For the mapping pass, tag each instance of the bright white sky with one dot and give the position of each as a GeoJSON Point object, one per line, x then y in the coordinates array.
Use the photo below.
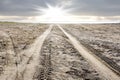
{"type": "Point", "coordinates": [60, 15]}
{"type": "Point", "coordinates": [60, 11]}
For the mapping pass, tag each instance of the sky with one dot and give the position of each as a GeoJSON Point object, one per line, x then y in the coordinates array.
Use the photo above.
{"type": "Point", "coordinates": [69, 10]}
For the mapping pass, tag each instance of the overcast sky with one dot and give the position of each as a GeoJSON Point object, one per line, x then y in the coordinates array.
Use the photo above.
{"type": "Point", "coordinates": [19, 9]}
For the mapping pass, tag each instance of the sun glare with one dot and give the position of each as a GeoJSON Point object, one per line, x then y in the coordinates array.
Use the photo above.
{"type": "Point", "coordinates": [54, 14]}
{"type": "Point", "coordinates": [60, 15]}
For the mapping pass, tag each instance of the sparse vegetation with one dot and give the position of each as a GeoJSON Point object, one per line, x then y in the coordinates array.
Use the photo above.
{"type": "Point", "coordinates": [104, 38]}
{"type": "Point", "coordinates": [53, 55]}
{"type": "Point", "coordinates": [23, 34]}
{"type": "Point", "coordinates": [14, 38]}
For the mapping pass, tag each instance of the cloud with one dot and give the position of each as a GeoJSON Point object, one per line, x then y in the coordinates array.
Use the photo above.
{"type": "Point", "coordinates": [19, 7]}
{"type": "Point", "coordinates": [97, 7]}
{"type": "Point", "coordinates": [65, 3]}
{"type": "Point", "coordinates": [82, 7]}
{"type": "Point", "coordinates": [109, 9]}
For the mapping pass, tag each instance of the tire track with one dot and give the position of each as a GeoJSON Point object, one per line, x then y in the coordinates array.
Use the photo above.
{"type": "Point", "coordinates": [31, 60]}
{"type": "Point", "coordinates": [94, 60]}
{"type": "Point", "coordinates": [43, 72]}
{"type": "Point", "coordinates": [59, 60]}
{"type": "Point", "coordinates": [53, 57]}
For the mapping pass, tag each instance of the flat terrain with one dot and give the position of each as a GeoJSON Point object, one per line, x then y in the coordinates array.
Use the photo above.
{"type": "Point", "coordinates": [103, 39]}
{"type": "Point", "coordinates": [50, 52]}
{"type": "Point", "coordinates": [22, 34]}
{"type": "Point", "coordinates": [59, 60]}
{"type": "Point", "coordinates": [15, 38]}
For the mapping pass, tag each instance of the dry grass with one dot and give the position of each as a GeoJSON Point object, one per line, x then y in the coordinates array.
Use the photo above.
{"type": "Point", "coordinates": [14, 38]}
{"type": "Point", "coordinates": [105, 38]}
{"type": "Point", "coordinates": [22, 34]}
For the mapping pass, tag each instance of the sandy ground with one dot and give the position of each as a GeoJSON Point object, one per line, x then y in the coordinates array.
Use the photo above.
{"type": "Point", "coordinates": [59, 60]}
{"type": "Point", "coordinates": [33, 59]}
{"type": "Point", "coordinates": [104, 38]}
{"type": "Point", "coordinates": [35, 52]}
{"type": "Point", "coordinates": [98, 63]}
{"type": "Point", "coordinates": [22, 34]}
{"type": "Point", "coordinates": [14, 39]}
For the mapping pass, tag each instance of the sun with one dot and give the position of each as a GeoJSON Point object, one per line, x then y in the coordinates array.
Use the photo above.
{"type": "Point", "coordinates": [54, 14]}
{"type": "Point", "coordinates": [59, 14]}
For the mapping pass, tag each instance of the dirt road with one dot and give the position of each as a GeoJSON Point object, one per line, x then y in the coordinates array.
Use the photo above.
{"type": "Point", "coordinates": [32, 59]}
{"type": "Point", "coordinates": [29, 60]}
{"type": "Point", "coordinates": [56, 55]}
{"type": "Point", "coordinates": [97, 62]}
{"type": "Point", "coordinates": [59, 60]}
